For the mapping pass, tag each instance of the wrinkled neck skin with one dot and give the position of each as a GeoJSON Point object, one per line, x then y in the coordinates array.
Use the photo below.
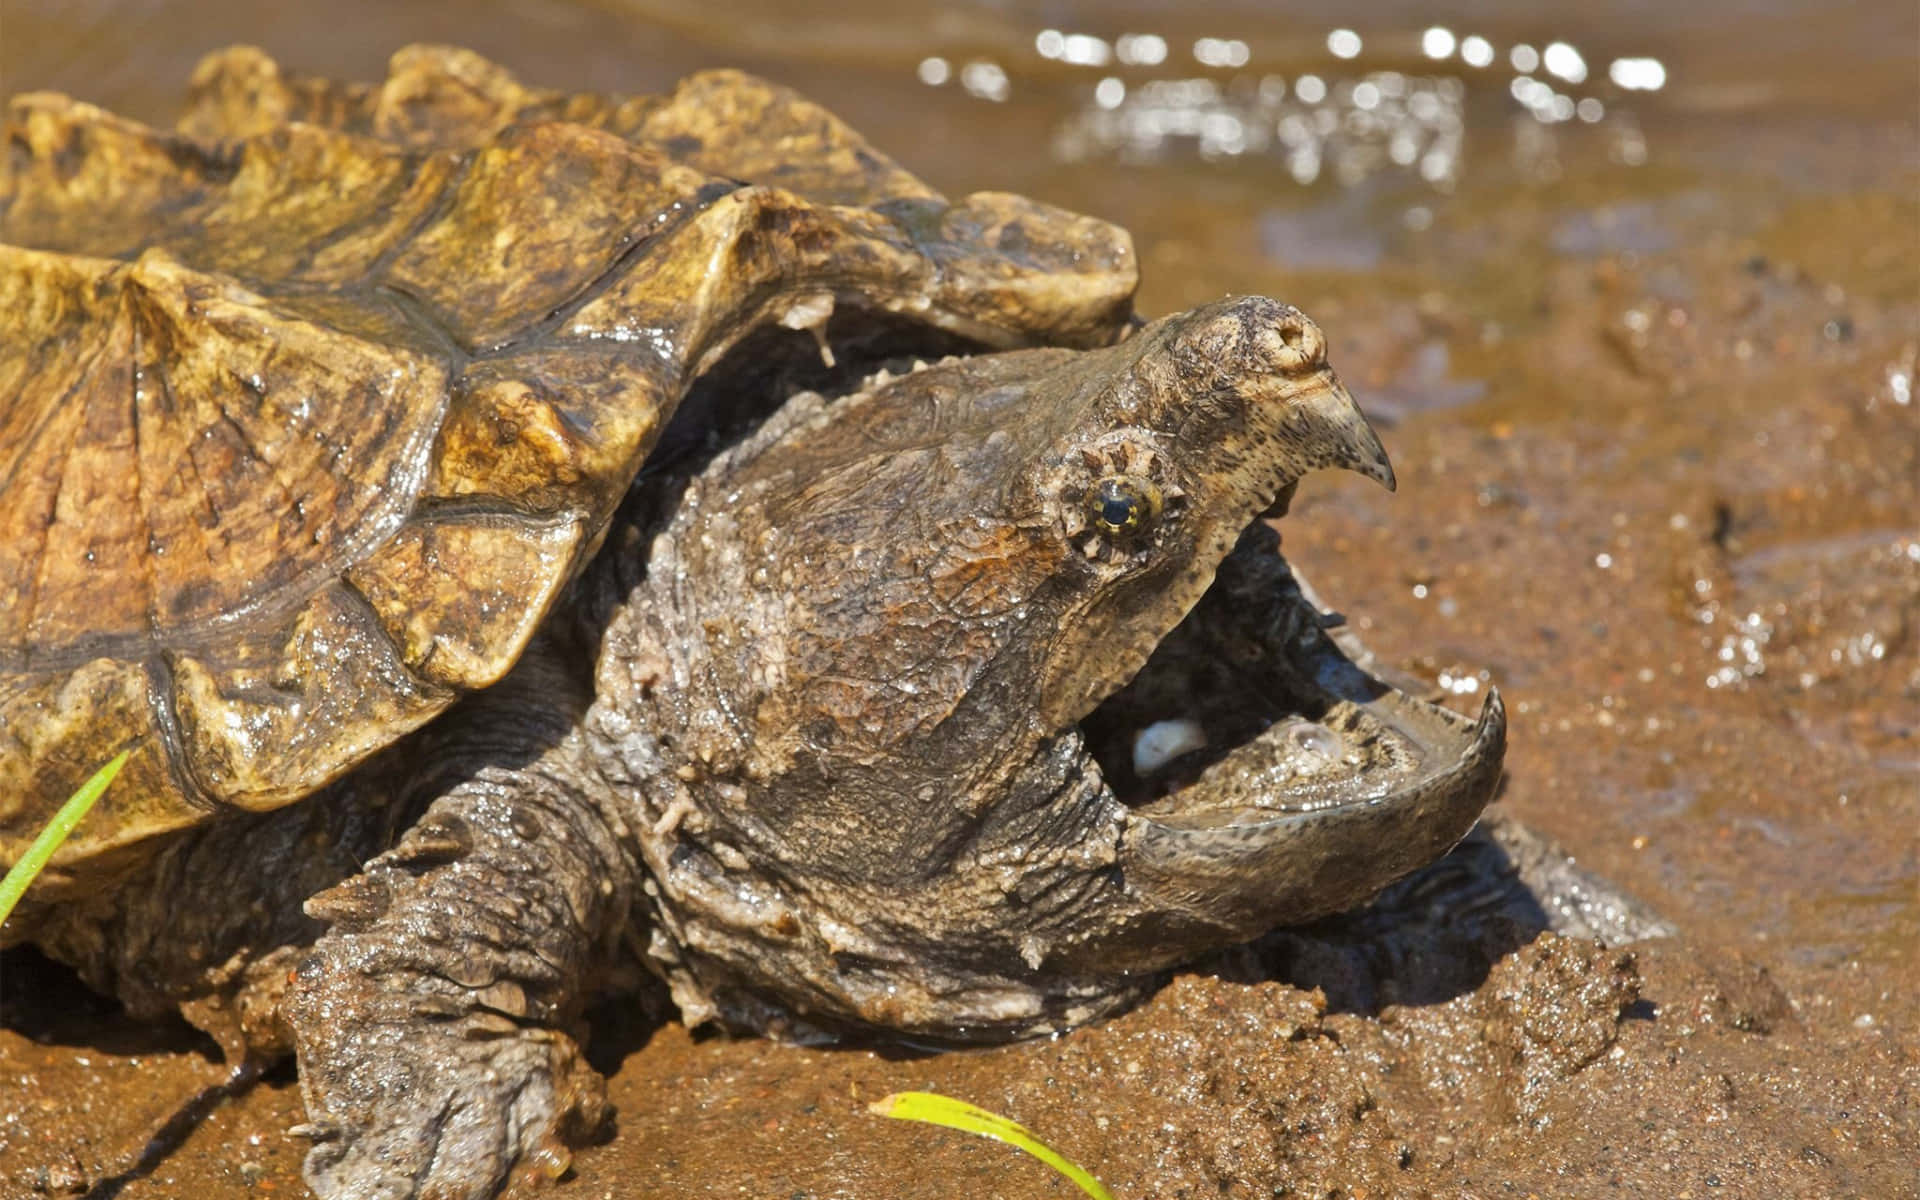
{"type": "Point", "coordinates": [846, 698]}
{"type": "Point", "coordinates": [849, 817]}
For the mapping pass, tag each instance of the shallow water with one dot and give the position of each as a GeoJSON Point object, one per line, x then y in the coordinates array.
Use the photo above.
{"type": "Point", "coordinates": [1646, 372]}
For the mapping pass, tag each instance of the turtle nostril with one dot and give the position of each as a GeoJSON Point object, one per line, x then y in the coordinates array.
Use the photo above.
{"type": "Point", "coordinates": [1293, 344]}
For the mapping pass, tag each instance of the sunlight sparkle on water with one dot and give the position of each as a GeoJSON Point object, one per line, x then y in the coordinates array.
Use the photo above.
{"type": "Point", "coordinates": [1563, 60]}
{"type": "Point", "coordinates": [1220, 52]}
{"type": "Point", "coordinates": [1141, 49]}
{"type": "Point", "coordinates": [1900, 388]}
{"type": "Point", "coordinates": [1346, 126]}
{"type": "Point", "coordinates": [1078, 49]}
{"type": "Point", "coordinates": [985, 80]}
{"type": "Point", "coordinates": [1638, 74]}
{"type": "Point", "coordinates": [1085, 50]}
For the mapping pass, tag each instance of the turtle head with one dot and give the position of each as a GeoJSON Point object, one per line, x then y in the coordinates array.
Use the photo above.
{"type": "Point", "coordinates": [966, 703]}
{"type": "Point", "coordinates": [1166, 448]}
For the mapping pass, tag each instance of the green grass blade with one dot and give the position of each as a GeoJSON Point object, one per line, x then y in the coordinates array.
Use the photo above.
{"type": "Point", "coordinates": [31, 863]}
{"type": "Point", "coordinates": [936, 1109]}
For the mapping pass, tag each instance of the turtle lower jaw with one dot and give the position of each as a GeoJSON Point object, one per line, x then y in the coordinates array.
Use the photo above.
{"type": "Point", "coordinates": [1267, 779]}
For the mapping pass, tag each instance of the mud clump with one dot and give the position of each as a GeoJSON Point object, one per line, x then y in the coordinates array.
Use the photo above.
{"type": "Point", "coordinates": [1549, 1010]}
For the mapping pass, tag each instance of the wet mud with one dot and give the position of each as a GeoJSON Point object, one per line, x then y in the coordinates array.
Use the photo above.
{"type": "Point", "coordinates": [1647, 382]}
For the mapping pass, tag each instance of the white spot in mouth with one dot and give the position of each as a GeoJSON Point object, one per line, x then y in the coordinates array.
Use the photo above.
{"type": "Point", "coordinates": [1163, 741]}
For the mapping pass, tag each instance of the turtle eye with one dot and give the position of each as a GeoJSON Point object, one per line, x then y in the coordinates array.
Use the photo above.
{"type": "Point", "coordinates": [1123, 505]}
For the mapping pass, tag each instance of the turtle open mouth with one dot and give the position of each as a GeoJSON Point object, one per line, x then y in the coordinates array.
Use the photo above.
{"type": "Point", "coordinates": [1268, 778]}
{"type": "Point", "coordinates": [1250, 699]}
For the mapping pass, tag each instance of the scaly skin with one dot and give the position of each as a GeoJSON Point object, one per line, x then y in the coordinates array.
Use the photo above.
{"type": "Point", "coordinates": [832, 752]}
{"type": "Point", "coordinates": [846, 696]}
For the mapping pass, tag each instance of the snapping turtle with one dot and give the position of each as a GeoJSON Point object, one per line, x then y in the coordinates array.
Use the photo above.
{"type": "Point", "coordinates": [957, 699]}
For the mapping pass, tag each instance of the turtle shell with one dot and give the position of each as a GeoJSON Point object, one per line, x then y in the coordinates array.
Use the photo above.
{"type": "Point", "coordinates": [310, 408]}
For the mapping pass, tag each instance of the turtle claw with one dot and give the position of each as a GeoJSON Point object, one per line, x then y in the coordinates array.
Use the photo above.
{"type": "Point", "coordinates": [433, 1020]}
{"type": "Point", "coordinates": [440, 1110]}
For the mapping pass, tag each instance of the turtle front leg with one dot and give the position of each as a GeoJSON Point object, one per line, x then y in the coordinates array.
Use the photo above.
{"type": "Point", "coordinates": [435, 1021]}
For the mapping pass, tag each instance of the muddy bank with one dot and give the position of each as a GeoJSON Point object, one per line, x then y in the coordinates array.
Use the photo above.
{"type": "Point", "coordinates": [1652, 416]}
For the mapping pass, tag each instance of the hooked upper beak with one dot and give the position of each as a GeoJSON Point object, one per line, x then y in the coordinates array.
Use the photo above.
{"type": "Point", "coordinates": [1278, 355]}
{"type": "Point", "coordinates": [1340, 431]}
